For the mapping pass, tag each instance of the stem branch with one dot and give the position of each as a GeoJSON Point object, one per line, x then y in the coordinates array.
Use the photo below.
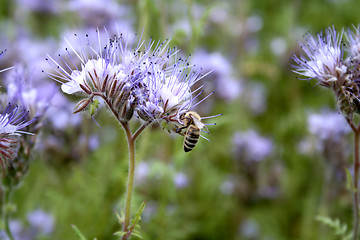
{"type": "Point", "coordinates": [131, 138]}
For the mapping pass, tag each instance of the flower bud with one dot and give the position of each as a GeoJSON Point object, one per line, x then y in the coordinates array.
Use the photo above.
{"type": "Point", "coordinates": [81, 105]}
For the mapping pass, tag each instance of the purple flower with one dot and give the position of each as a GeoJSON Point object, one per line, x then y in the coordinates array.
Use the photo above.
{"type": "Point", "coordinates": [254, 96]}
{"type": "Point", "coordinates": [227, 187]}
{"type": "Point", "coordinates": [142, 172]}
{"type": "Point", "coordinates": [249, 229]}
{"type": "Point", "coordinates": [130, 77]}
{"type": "Point", "coordinates": [328, 125]}
{"type": "Point", "coordinates": [278, 46]}
{"type": "Point", "coordinates": [227, 87]}
{"type": "Point", "coordinates": [353, 38]}
{"type": "Point", "coordinates": [252, 146]}
{"type": "Point", "coordinates": [35, 97]}
{"type": "Point", "coordinates": [324, 58]}
{"type": "Point", "coordinates": [59, 114]}
{"type": "Point", "coordinates": [325, 61]}
{"type": "Point", "coordinates": [254, 23]}
{"type": "Point", "coordinates": [97, 13]}
{"type": "Point", "coordinates": [49, 6]}
{"type": "Point", "coordinates": [181, 180]}
{"type": "Point", "coordinates": [41, 221]}
{"type": "Point", "coordinates": [3, 70]}
{"type": "Point", "coordinates": [12, 120]}
{"type": "Point", "coordinates": [166, 93]}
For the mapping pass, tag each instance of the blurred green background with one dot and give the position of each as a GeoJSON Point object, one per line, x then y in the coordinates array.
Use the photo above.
{"type": "Point", "coordinates": [225, 196]}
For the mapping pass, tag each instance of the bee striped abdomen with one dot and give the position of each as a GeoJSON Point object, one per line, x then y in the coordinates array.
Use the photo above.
{"type": "Point", "coordinates": [191, 138]}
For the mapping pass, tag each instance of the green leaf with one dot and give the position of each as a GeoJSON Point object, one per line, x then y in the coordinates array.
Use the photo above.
{"type": "Point", "coordinates": [349, 181]}
{"type": "Point", "coordinates": [120, 217]}
{"type": "Point", "coordinates": [138, 213]}
{"type": "Point", "coordinates": [335, 224]}
{"type": "Point", "coordinates": [93, 107]}
{"type": "Point", "coordinates": [165, 126]}
{"type": "Point", "coordinates": [120, 233]}
{"type": "Point", "coordinates": [78, 233]}
{"type": "Point", "coordinates": [136, 234]}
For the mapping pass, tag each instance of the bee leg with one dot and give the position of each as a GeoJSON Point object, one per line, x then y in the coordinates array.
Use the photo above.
{"type": "Point", "coordinates": [178, 130]}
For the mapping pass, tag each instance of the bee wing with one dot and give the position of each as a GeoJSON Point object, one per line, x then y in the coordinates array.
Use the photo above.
{"type": "Point", "coordinates": [197, 122]}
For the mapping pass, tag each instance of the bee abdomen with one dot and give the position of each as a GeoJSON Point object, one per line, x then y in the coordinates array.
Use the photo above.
{"type": "Point", "coordinates": [192, 137]}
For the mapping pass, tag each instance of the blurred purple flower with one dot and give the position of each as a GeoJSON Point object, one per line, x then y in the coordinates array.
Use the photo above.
{"type": "Point", "coordinates": [41, 221]}
{"type": "Point", "coordinates": [328, 125]}
{"type": "Point", "coordinates": [254, 96]}
{"type": "Point", "coordinates": [249, 229]}
{"type": "Point", "coordinates": [226, 86]}
{"type": "Point", "coordinates": [39, 6]}
{"type": "Point", "coordinates": [17, 229]}
{"type": "Point", "coordinates": [35, 49]}
{"type": "Point", "coordinates": [252, 146]}
{"type": "Point", "coordinates": [98, 13]}
{"type": "Point", "coordinates": [21, 89]}
{"type": "Point", "coordinates": [142, 172]}
{"type": "Point", "coordinates": [227, 187]}
{"type": "Point", "coordinates": [181, 180]}
{"type": "Point", "coordinates": [278, 46]}
{"type": "Point", "coordinates": [254, 23]}
{"type": "Point", "coordinates": [91, 142]}
{"type": "Point", "coordinates": [60, 115]}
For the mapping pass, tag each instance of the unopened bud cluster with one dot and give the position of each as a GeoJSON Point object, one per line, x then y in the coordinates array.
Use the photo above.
{"type": "Point", "coordinates": [143, 80]}
{"type": "Point", "coordinates": [333, 59]}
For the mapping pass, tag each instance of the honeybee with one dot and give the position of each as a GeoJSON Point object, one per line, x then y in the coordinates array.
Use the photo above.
{"type": "Point", "coordinates": [192, 121]}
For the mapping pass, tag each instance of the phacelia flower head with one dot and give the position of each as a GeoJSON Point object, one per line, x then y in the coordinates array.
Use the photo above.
{"type": "Point", "coordinates": [23, 90]}
{"type": "Point", "coordinates": [353, 38]}
{"type": "Point", "coordinates": [167, 92]}
{"type": "Point", "coordinates": [324, 58]}
{"type": "Point", "coordinates": [12, 121]}
{"type": "Point", "coordinates": [334, 65]}
{"type": "Point", "coordinates": [100, 73]}
{"type": "Point", "coordinates": [132, 78]}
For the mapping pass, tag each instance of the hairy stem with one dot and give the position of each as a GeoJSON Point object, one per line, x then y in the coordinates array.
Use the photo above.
{"type": "Point", "coordinates": [130, 181]}
{"type": "Point", "coordinates": [356, 184]}
{"type": "Point", "coordinates": [131, 138]}
{"type": "Point", "coordinates": [5, 212]}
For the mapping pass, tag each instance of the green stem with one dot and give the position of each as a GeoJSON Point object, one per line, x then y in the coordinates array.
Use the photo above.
{"type": "Point", "coordinates": [356, 185]}
{"type": "Point", "coordinates": [131, 138]}
{"type": "Point", "coordinates": [130, 184]}
{"type": "Point", "coordinates": [5, 209]}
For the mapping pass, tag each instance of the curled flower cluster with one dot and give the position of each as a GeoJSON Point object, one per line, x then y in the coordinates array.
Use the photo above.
{"type": "Point", "coordinates": [143, 80]}
{"type": "Point", "coordinates": [12, 120]}
{"type": "Point", "coordinates": [334, 65]}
